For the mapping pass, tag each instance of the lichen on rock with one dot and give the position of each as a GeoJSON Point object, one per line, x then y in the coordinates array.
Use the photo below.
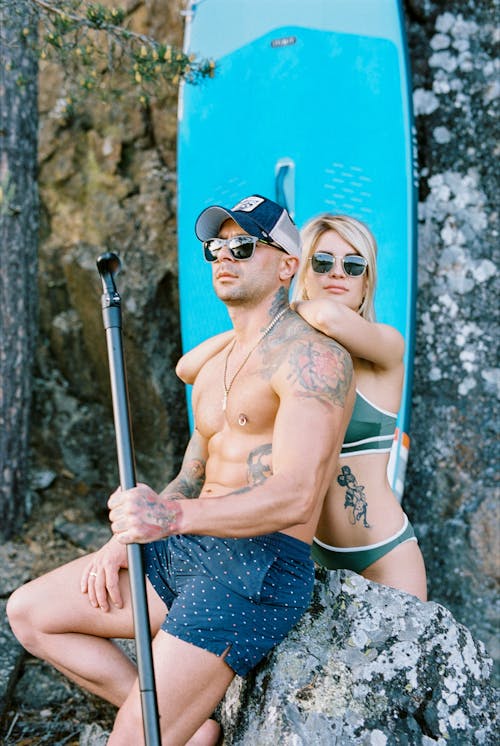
{"type": "Point", "coordinates": [366, 665]}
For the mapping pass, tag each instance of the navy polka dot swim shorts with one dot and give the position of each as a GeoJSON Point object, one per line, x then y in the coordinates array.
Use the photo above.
{"type": "Point", "coordinates": [244, 595]}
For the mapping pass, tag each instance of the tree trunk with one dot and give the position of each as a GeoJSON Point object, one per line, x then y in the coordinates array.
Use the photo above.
{"type": "Point", "coordinates": [18, 251]}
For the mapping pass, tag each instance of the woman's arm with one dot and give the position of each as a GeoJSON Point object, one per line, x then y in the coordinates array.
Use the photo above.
{"type": "Point", "coordinates": [191, 363]}
{"type": "Point", "coordinates": [380, 344]}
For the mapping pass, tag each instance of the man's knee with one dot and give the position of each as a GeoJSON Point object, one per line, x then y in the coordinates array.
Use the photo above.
{"type": "Point", "coordinates": [128, 727]}
{"type": "Point", "coordinates": [21, 616]}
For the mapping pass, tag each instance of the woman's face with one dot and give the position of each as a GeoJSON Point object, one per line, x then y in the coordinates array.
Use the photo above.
{"type": "Point", "coordinates": [336, 284]}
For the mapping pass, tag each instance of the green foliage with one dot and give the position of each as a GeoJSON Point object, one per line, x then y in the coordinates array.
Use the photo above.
{"type": "Point", "coordinates": [101, 56]}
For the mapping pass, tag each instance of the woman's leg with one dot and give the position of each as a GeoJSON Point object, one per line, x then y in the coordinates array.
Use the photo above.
{"type": "Point", "coordinates": [402, 568]}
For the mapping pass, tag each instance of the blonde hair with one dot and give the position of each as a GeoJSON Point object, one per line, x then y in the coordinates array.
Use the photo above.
{"type": "Point", "coordinates": [357, 235]}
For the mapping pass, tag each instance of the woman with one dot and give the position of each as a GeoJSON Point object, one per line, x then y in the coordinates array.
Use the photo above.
{"type": "Point", "coordinates": [362, 527]}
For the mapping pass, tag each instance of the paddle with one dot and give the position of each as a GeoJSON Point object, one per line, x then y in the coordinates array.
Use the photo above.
{"type": "Point", "coordinates": [108, 266]}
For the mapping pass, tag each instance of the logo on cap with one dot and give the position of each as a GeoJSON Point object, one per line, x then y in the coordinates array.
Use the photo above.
{"type": "Point", "coordinates": [248, 204]}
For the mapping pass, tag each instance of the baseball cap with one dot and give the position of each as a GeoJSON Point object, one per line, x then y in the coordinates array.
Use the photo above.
{"type": "Point", "coordinates": [258, 216]}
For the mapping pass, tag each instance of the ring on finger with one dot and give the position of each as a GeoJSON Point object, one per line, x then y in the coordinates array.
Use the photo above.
{"type": "Point", "coordinates": [93, 574]}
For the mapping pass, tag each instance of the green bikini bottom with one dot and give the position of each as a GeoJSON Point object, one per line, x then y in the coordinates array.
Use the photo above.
{"type": "Point", "coordinates": [359, 558]}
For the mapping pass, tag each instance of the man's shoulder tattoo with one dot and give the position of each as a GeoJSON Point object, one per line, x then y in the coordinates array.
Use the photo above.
{"type": "Point", "coordinates": [320, 368]}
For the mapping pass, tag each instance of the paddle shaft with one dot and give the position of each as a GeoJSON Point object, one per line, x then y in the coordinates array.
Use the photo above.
{"type": "Point", "coordinates": [108, 265]}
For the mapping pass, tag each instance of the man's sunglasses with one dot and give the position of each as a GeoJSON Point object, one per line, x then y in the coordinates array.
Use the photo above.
{"type": "Point", "coordinates": [240, 247]}
{"type": "Point", "coordinates": [352, 264]}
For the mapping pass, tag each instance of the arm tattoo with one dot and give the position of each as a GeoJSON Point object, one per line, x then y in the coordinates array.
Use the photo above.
{"type": "Point", "coordinates": [322, 371]}
{"type": "Point", "coordinates": [167, 514]}
{"type": "Point", "coordinates": [355, 497]}
{"type": "Point", "coordinates": [189, 482]}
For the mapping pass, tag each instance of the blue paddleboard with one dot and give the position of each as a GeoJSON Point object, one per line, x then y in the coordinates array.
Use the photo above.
{"type": "Point", "coordinates": [310, 105]}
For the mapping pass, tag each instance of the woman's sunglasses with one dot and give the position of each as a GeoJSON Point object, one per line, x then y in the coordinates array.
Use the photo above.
{"type": "Point", "coordinates": [352, 264]}
{"type": "Point", "coordinates": [240, 247]}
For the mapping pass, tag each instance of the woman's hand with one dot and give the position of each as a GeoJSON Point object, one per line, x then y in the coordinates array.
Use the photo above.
{"type": "Point", "coordinates": [100, 578]}
{"type": "Point", "coordinates": [324, 314]}
{"type": "Point", "coordinates": [140, 515]}
{"type": "Point", "coordinates": [377, 343]}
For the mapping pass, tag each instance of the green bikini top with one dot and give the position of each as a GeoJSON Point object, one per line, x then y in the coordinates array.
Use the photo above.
{"type": "Point", "coordinates": [370, 430]}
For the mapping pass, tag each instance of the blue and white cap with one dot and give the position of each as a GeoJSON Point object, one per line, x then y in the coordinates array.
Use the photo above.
{"type": "Point", "coordinates": [258, 216]}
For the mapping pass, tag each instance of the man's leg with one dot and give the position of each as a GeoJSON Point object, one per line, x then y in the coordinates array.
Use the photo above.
{"type": "Point", "coordinates": [54, 621]}
{"type": "Point", "coordinates": [190, 683]}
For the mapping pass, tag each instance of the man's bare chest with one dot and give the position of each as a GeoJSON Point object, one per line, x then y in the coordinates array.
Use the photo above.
{"type": "Point", "coordinates": [241, 398]}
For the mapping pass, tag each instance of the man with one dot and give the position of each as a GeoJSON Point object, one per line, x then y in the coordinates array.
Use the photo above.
{"type": "Point", "coordinates": [235, 574]}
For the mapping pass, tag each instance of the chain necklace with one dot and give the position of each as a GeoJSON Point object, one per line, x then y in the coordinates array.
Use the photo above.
{"type": "Point", "coordinates": [227, 386]}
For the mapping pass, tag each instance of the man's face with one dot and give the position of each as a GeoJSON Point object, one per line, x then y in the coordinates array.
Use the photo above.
{"type": "Point", "coordinates": [236, 281]}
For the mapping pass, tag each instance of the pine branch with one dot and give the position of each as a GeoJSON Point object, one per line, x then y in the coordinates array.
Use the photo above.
{"type": "Point", "coordinates": [99, 54]}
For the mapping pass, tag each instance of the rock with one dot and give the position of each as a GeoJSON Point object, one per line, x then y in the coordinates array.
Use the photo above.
{"type": "Point", "coordinates": [42, 479]}
{"type": "Point", "coordinates": [366, 665]}
{"type": "Point", "coordinates": [11, 658]}
{"type": "Point", "coordinates": [450, 488]}
{"type": "Point", "coordinates": [91, 535]}
{"type": "Point", "coordinates": [38, 688]}
{"type": "Point", "coordinates": [93, 735]}
{"type": "Point", "coordinates": [16, 561]}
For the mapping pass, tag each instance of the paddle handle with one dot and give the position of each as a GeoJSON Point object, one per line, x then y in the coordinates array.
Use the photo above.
{"type": "Point", "coordinates": [108, 266]}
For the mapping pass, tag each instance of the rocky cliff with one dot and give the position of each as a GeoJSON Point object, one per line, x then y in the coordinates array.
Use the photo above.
{"type": "Point", "coordinates": [451, 488]}
{"type": "Point", "coordinates": [108, 181]}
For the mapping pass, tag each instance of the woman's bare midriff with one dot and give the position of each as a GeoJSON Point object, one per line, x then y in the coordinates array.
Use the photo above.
{"type": "Point", "coordinates": [338, 525]}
